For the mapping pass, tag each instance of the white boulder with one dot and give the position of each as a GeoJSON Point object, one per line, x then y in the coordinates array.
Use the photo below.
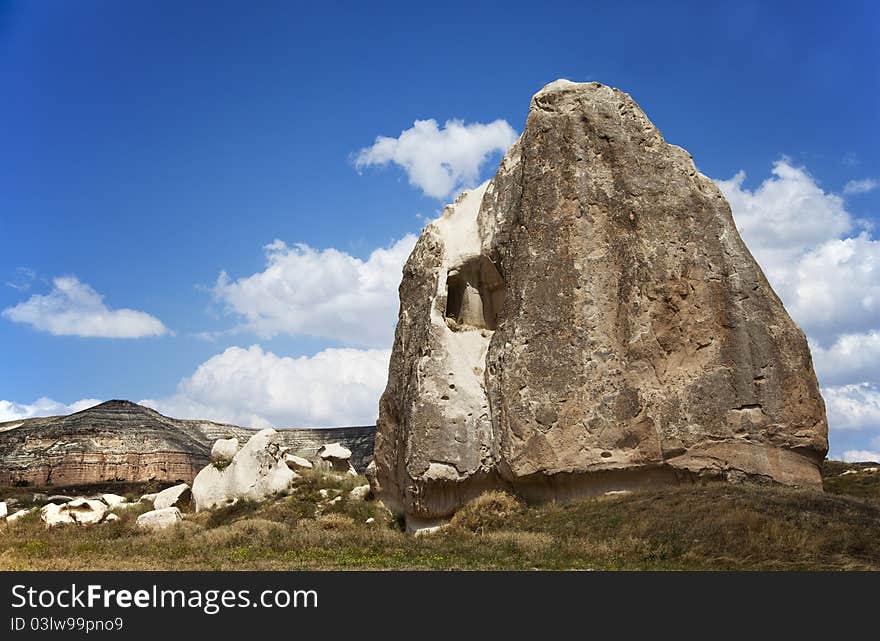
{"type": "Point", "coordinates": [12, 518]}
{"type": "Point", "coordinates": [159, 519]}
{"type": "Point", "coordinates": [256, 472]}
{"type": "Point", "coordinates": [80, 511]}
{"type": "Point", "coordinates": [53, 515]}
{"type": "Point", "coordinates": [113, 500]}
{"type": "Point", "coordinates": [111, 517]}
{"type": "Point", "coordinates": [360, 493]}
{"type": "Point", "coordinates": [295, 462]}
{"type": "Point", "coordinates": [4, 511]}
{"type": "Point", "coordinates": [335, 457]}
{"type": "Point", "coordinates": [174, 496]}
{"type": "Point", "coordinates": [149, 498]}
{"type": "Point", "coordinates": [224, 449]}
{"type": "Point", "coordinates": [331, 451]}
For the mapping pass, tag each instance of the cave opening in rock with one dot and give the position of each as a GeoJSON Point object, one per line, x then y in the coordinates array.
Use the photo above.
{"type": "Point", "coordinates": [475, 293]}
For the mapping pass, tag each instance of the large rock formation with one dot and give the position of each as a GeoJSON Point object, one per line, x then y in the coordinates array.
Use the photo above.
{"type": "Point", "coordinates": [587, 321]}
{"type": "Point", "coordinates": [256, 472]}
{"type": "Point", "coordinates": [123, 441]}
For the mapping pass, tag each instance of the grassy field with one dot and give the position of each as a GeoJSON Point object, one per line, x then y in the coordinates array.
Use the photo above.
{"type": "Point", "coordinates": [701, 527]}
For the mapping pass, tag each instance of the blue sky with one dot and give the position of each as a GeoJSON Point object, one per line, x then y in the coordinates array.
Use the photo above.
{"type": "Point", "coordinates": [148, 147]}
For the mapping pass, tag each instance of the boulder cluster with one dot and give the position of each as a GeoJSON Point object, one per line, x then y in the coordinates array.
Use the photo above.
{"type": "Point", "coordinates": [261, 468]}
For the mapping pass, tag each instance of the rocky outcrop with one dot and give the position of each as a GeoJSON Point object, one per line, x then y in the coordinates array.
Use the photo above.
{"type": "Point", "coordinates": [590, 321]}
{"type": "Point", "coordinates": [123, 441]}
{"type": "Point", "coordinates": [335, 457]}
{"type": "Point", "coordinates": [256, 472]}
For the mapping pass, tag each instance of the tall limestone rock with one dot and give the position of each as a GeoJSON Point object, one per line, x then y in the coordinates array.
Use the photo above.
{"type": "Point", "coordinates": [590, 320]}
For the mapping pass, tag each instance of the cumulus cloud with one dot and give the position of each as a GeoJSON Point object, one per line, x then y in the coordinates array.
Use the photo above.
{"type": "Point", "coordinates": [862, 186]}
{"type": "Point", "coordinates": [73, 308]}
{"type": "Point", "coordinates": [11, 411]}
{"type": "Point", "coordinates": [858, 456]}
{"type": "Point", "coordinates": [440, 161]}
{"type": "Point", "coordinates": [257, 388]}
{"type": "Point", "coordinates": [827, 272]}
{"type": "Point", "coordinates": [853, 407]}
{"type": "Point", "coordinates": [851, 357]}
{"type": "Point", "coordinates": [324, 293]}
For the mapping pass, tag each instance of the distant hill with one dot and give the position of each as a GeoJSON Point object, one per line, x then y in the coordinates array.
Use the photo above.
{"type": "Point", "coordinates": [122, 441]}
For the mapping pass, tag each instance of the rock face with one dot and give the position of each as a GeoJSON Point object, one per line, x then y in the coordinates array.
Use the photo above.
{"type": "Point", "coordinates": [588, 321]}
{"type": "Point", "coordinates": [123, 441]}
{"type": "Point", "coordinates": [257, 471]}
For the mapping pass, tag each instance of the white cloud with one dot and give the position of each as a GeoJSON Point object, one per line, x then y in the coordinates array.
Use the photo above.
{"type": "Point", "coordinates": [827, 272]}
{"type": "Point", "coordinates": [11, 411]}
{"type": "Point", "coordinates": [863, 186]}
{"type": "Point", "coordinates": [326, 293]}
{"type": "Point", "coordinates": [835, 287]}
{"type": "Point", "coordinates": [861, 456]}
{"type": "Point", "coordinates": [440, 161]}
{"type": "Point", "coordinates": [852, 357]}
{"type": "Point", "coordinates": [72, 308]}
{"type": "Point", "coordinates": [854, 406]}
{"type": "Point", "coordinates": [257, 388]}
{"type": "Point", "coordinates": [785, 216]}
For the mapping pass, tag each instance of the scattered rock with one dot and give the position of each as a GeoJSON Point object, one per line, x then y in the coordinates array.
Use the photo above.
{"type": "Point", "coordinates": [79, 511]}
{"type": "Point", "coordinates": [426, 531]}
{"type": "Point", "coordinates": [360, 493]}
{"type": "Point", "coordinates": [111, 517]}
{"type": "Point", "coordinates": [159, 519]}
{"type": "Point", "coordinates": [590, 320]}
{"type": "Point", "coordinates": [113, 500]}
{"type": "Point", "coordinates": [39, 497]}
{"type": "Point", "coordinates": [15, 516]}
{"type": "Point", "coordinates": [224, 449]}
{"type": "Point", "coordinates": [256, 472]}
{"type": "Point", "coordinates": [370, 520]}
{"type": "Point", "coordinates": [336, 458]}
{"type": "Point", "coordinates": [52, 514]}
{"type": "Point", "coordinates": [149, 498]}
{"type": "Point", "coordinates": [334, 451]}
{"type": "Point", "coordinates": [4, 511]}
{"type": "Point", "coordinates": [295, 462]}
{"type": "Point", "coordinates": [334, 501]}
{"type": "Point", "coordinates": [175, 496]}
{"type": "Point", "coordinates": [59, 498]}
{"type": "Point", "coordinates": [323, 493]}
{"type": "Point", "coordinates": [618, 492]}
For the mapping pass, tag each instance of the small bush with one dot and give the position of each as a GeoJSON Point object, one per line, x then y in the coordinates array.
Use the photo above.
{"type": "Point", "coordinates": [490, 510]}
{"type": "Point", "coordinates": [335, 521]}
{"type": "Point", "coordinates": [229, 513]}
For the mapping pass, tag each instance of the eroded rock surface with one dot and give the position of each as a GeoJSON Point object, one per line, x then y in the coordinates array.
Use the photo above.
{"type": "Point", "coordinates": [590, 321]}
{"type": "Point", "coordinates": [258, 470]}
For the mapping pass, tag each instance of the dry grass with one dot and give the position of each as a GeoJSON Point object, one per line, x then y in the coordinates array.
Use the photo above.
{"type": "Point", "coordinates": [713, 526]}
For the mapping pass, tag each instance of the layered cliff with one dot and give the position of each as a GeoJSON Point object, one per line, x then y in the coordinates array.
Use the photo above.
{"type": "Point", "coordinates": [123, 441]}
